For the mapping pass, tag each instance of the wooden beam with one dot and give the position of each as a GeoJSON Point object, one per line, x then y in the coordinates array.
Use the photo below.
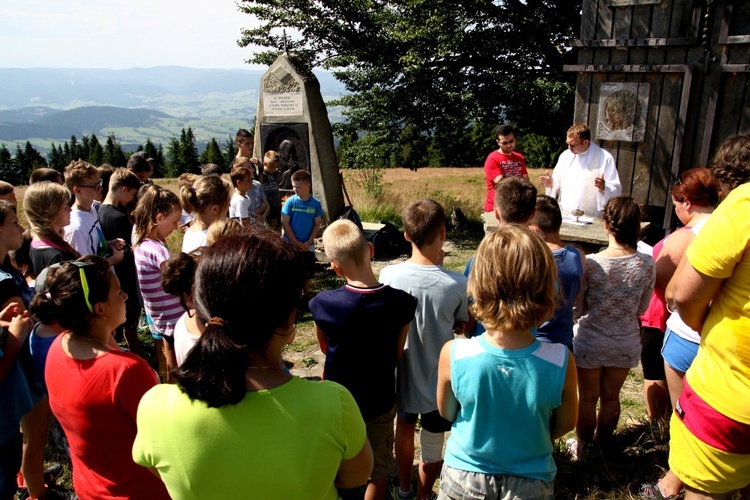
{"type": "Point", "coordinates": [630, 68]}
{"type": "Point", "coordinates": [633, 42]}
{"type": "Point", "coordinates": [737, 39]}
{"type": "Point", "coordinates": [735, 68]}
{"type": "Point", "coordinates": [679, 135]}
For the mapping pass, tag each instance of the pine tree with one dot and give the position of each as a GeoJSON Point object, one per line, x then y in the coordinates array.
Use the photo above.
{"type": "Point", "coordinates": [189, 152]}
{"type": "Point", "coordinates": [9, 171]}
{"type": "Point", "coordinates": [230, 151]}
{"type": "Point", "coordinates": [150, 151]}
{"type": "Point", "coordinates": [213, 154]}
{"type": "Point", "coordinates": [56, 158]}
{"type": "Point", "coordinates": [113, 153]}
{"type": "Point", "coordinates": [96, 151]}
{"type": "Point", "coordinates": [174, 165]}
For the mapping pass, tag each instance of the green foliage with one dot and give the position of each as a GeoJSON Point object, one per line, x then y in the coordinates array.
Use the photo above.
{"type": "Point", "coordinates": [369, 155]}
{"type": "Point", "coordinates": [10, 170]}
{"type": "Point", "coordinates": [113, 153]}
{"type": "Point", "coordinates": [213, 154]}
{"type": "Point", "coordinates": [422, 67]}
{"type": "Point", "coordinates": [538, 151]}
{"type": "Point", "coordinates": [151, 151]}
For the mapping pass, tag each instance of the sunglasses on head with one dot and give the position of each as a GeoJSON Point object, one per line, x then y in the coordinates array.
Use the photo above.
{"type": "Point", "coordinates": [84, 282]}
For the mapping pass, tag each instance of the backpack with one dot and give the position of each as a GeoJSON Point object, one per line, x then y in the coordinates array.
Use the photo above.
{"type": "Point", "coordinates": [389, 241]}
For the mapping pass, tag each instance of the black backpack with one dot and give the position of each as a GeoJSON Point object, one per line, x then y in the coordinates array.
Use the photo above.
{"type": "Point", "coordinates": [389, 241]}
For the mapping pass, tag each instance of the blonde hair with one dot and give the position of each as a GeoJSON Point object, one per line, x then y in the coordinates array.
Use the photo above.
{"type": "Point", "coordinates": [187, 180]}
{"type": "Point", "coordinates": [41, 204]}
{"type": "Point", "coordinates": [78, 171]}
{"type": "Point", "coordinates": [122, 177]}
{"type": "Point", "coordinates": [512, 281]}
{"type": "Point", "coordinates": [208, 190]}
{"type": "Point", "coordinates": [345, 244]}
{"type": "Point", "coordinates": [222, 228]}
{"type": "Point", "coordinates": [270, 156]}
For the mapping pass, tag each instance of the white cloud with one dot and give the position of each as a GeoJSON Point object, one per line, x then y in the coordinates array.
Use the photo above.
{"type": "Point", "coordinates": [134, 33]}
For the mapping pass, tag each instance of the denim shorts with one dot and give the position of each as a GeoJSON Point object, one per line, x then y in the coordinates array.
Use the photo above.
{"type": "Point", "coordinates": [677, 352]}
{"type": "Point", "coordinates": [458, 484]}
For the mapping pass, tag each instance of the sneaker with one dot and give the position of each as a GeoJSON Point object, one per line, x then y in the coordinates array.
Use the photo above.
{"type": "Point", "coordinates": [396, 493]}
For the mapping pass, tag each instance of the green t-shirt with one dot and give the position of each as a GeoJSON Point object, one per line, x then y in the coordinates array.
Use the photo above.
{"type": "Point", "coordinates": [287, 442]}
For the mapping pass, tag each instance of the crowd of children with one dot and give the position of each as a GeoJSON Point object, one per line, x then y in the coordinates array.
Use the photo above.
{"type": "Point", "coordinates": [532, 341]}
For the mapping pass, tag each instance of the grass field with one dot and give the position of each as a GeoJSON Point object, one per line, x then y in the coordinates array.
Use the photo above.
{"type": "Point", "coordinates": [638, 452]}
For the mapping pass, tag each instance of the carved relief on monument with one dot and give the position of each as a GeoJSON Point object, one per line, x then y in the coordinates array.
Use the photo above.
{"type": "Point", "coordinates": [623, 109]}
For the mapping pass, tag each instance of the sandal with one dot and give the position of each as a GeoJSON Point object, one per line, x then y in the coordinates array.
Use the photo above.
{"type": "Point", "coordinates": [653, 491]}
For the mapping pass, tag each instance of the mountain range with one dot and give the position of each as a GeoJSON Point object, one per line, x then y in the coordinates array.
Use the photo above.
{"type": "Point", "coordinates": [46, 105]}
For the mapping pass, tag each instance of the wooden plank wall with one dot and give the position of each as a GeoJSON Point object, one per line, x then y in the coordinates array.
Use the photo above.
{"type": "Point", "coordinates": [667, 34]}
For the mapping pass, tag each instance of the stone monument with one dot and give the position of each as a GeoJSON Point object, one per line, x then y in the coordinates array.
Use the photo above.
{"type": "Point", "coordinates": [293, 120]}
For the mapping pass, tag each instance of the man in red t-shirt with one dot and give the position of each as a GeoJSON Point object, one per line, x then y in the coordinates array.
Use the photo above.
{"type": "Point", "coordinates": [504, 162]}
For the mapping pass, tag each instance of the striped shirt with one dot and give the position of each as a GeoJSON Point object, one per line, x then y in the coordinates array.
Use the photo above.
{"type": "Point", "coordinates": [163, 308]}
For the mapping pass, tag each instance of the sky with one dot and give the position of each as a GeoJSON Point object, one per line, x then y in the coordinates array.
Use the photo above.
{"type": "Point", "coordinates": [123, 34]}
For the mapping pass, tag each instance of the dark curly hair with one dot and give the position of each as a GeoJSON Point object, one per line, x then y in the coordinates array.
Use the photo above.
{"type": "Point", "coordinates": [623, 218]}
{"type": "Point", "coordinates": [730, 165]}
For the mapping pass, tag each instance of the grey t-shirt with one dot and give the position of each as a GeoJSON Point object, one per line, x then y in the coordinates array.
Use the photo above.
{"type": "Point", "coordinates": [441, 300]}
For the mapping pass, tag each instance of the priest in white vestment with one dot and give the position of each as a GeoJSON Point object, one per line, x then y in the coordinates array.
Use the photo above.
{"type": "Point", "coordinates": [585, 176]}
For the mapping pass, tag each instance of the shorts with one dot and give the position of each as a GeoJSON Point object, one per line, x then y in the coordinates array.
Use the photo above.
{"type": "Point", "coordinates": [309, 260]}
{"type": "Point", "coordinates": [380, 435]}
{"type": "Point", "coordinates": [708, 451]}
{"type": "Point", "coordinates": [431, 422]}
{"type": "Point", "coordinates": [651, 360]}
{"type": "Point", "coordinates": [458, 484]}
{"type": "Point", "coordinates": [678, 352]}
{"type": "Point", "coordinates": [10, 464]}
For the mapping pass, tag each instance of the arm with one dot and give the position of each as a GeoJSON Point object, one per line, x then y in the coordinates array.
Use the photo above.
{"type": "Point", "coordinates": [314, 233]}
{"type": "Point", "coordinates": [402, 341]}
{"type": "Point", "coordinates": [647, 292]}
{"type": "Point", "coordinates": [612, 186]}
{"type": "Point", "coordinates": [565, 416]}
{"type": "Point", "coordinates": [446, 399]}
{"type": "Point", "coordinates": [288, 230]}
{"type": "Point", "coordinates": [355, 471]}
{"type": "Point", "coordinates": [262, 211]}
{"type": "Point", "coordinates": [16, 320]}
{"type": "Point", "coordinates": [693, 292]}
{"type": "Point", "coordinates": [670, 256]}
{"type": "Point", "coordinates": [321, 338]}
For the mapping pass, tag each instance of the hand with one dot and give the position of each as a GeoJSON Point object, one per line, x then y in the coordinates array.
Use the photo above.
{"type": "Point", "coordinates": [599, 183]}
{"type": "Point", "coordinates": [546, 179]}
{"type": "Point", "coordinates": [117, 243]}
{"type": "Point", "coordinates": [303, 246]}
{"type": "Point", "coordinates": [6, 315]}
{"type": "Point", "coordinates": [116, 257]}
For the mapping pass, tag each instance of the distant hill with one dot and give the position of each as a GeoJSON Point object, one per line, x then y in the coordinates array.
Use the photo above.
{"type": "Point", "coordinates": [49, 105]}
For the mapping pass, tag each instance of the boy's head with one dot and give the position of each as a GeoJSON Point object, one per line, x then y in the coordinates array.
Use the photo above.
{"type": "Point", "coordinates": [82, 178]}
{"type": "Point", "coordinates": [301, 183]}
{"type": "Point", "coordinates": [7, 192]}
{"type": "Point", "coordinates": [506, 138]}
{"type": "Point", "coordinates": [139, 165]}
{"type": "Point", "coordinates": [211, 169]}
{"type": "Point", "coordinates": [346, 247]}
{"type": "Point", "coordinates": [244, 141]}
{"type": "Point", "coordinates": [515, 199]}
{"type": "Point", "coordinates": [46, 175]}
{"type": "Point", "coordinates": [242, 178]}
{"type": "Point", "coordinates": [424, 222]}
{"type": "Point", "coordinates": [124, 185]}
{"type": "Point", "coordinates": [271, 160]}
{"type": "Point", "coordinates": [512, 281]}
{"type": "Point", "coordinates": [547, 218]}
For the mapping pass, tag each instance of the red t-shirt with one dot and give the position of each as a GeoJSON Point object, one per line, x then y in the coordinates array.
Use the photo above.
{"type": "Point", "coordinates": [95, 401]}
{"type": "Point", "coordinates": [496, 164]}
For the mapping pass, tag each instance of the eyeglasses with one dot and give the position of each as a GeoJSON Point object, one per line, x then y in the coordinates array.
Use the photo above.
{"type": "Point", "coordinates": [505, 143]}
{"type": "Point", "coordinates": [84, 283]}
{"type": "Point", "coordinates": [98, 185]}
{"type": "Point", "coordinates": [572, 144]}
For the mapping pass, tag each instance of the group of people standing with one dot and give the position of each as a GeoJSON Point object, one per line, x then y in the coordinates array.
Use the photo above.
{"type": "Point", "coordinates": [689, 333]}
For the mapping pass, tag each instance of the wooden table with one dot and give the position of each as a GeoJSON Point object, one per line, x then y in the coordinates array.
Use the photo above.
{"type": "Point", "coordinates": [589, 236]}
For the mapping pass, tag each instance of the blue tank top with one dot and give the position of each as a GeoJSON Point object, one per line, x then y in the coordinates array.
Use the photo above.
{"type": "Point", "coordinates": [506, 400]}
{"type": "Point", "coordinates": [559, 328]}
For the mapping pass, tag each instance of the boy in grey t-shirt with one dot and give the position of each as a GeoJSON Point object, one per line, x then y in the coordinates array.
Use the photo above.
{"type": "Point", "coordinates": [441, 302]}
